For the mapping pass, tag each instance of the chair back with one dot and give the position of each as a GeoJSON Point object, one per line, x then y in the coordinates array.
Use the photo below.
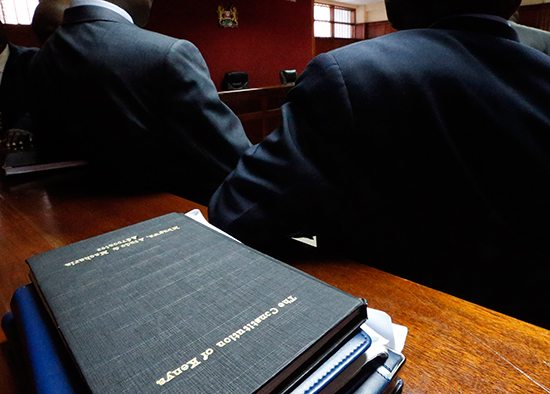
{"type": "Point", "coordinates": [288, 76]}
{"type": "Point", "coordinates": [235, 80]}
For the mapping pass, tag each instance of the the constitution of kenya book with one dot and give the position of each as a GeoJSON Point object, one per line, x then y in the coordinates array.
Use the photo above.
{"type": "Point", "coordinates": [171, 306]}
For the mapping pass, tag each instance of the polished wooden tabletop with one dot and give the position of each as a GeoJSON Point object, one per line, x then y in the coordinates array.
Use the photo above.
{"type": "Point", "coordinates": [453, 346]}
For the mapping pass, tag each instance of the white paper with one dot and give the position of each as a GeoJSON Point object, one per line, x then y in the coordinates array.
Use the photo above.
{"type": "Point", "coordinates": [382, 324]}
{"type": "Point", "coordinates": [196, 215]}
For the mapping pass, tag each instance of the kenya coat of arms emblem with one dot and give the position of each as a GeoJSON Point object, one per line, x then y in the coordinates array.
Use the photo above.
{"type": "Point", "coordinates": [227, 17]}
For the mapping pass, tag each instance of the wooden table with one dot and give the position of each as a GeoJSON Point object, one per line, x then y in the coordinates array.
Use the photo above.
{"type": "Point", "coordinates": [453, 346]}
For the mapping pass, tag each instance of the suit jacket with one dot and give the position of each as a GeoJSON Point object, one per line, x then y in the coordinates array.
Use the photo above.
{"type": "Point", "coordinates": [14, 99]}
{"type": "Point", "coordinates": [139, 105]}
{"type": "Point", "coordinates": [423, 152]}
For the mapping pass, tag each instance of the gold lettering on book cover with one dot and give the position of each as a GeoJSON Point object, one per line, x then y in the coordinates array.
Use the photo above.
{"type": "Point", "coordinates": [235, 336]}
{"type": "Point", "coordinates": [118, 245]}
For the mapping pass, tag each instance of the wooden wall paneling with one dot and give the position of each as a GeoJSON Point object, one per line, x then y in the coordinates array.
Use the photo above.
{"type": "Point", "coordinates": [377, 29]}
{"type": "Point", "coordinates": [323, 44]}
{"type": "Point", "coordinates": [535, 16]}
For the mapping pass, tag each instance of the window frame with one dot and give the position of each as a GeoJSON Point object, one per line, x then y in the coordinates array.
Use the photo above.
{"type": "Point", "coordinates": [18, 12]}
{"type": "Point", "coordinates": [332, 22]}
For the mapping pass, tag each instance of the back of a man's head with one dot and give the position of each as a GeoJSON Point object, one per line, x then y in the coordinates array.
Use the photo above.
{"type": "Point", "coordinates": [138, 9]}
{"type": "Point", "coordinates": [410, 14]}
{"type": "Point", "coordinates": [48, 16]}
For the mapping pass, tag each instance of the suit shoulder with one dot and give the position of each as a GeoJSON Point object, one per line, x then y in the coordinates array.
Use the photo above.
{"type": "Point", "coordinates": [20, 51]}
{"type": "Point", "coordinates": [148, 36]}
{"type": "Point", "coordinates": [400, 40]}
{"type": "Point", "coordinates": [21, 56]}
{"type": "Point", "coordinates": [157, 42]}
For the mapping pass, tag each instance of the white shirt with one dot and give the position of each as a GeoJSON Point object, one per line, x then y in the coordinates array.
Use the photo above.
{"type": "Point", "coordinates": [104, 4]}
{"type": "Point", "coordinates": [3, 60]}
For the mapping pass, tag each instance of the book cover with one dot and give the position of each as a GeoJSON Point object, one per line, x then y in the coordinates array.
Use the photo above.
{"type": "Point", "coordinates": [171, 306]}
{"type": "Point", "coordinates": [42, 357]}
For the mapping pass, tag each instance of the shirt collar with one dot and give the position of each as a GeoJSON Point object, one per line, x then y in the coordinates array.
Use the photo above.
{"type": "Point", "coordinates": [104, 4]}
{"type": "Point", "coordinates": [3, 60]}
{"type": "Point", "coordinates": [479, 23]}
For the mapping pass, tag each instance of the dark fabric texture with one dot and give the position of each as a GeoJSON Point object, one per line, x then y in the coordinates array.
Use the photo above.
{"type": "Point", "coordinates": [139, 104]}
{"type": "Point", "coordinates": [14, 98]}
{"type": "Point", "coordinates": [422, 152]}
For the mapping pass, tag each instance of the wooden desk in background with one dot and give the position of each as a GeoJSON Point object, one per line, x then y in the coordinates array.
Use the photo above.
{"type": "Point", "coordinates": [258, 109]}
{"type": "Point", "coordinates": [453, 346]}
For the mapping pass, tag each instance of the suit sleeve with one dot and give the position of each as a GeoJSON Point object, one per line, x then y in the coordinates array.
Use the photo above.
{"type": "Point", "coordinates": [211, 133]}
{"type": "Point", "coordinates": [286, 185]}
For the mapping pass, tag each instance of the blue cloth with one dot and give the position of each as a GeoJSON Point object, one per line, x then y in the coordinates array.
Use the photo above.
{"type": "Point", "coordinates": [137, 103]}
{"type": "Point", "coordinates": [423, 152]}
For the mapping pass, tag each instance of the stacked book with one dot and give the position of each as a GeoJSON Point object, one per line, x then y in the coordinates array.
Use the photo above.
{"type": "Point", "coordinates": [171, 306]}
{"type": "Point", "coordinates": [28, 160]}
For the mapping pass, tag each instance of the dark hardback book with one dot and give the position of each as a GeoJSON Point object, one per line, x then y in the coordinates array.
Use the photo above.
{"type": "Point", "coordinates": [171, 306]}
{"type": "Point", "coordinates": [27, 161]}
{"type": "Point", "coordinates": [380, 380]}
{"type": "Point", "coordinates": [46, 366]}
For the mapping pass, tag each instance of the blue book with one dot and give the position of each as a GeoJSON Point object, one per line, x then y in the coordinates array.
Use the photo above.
{"type": "Point", "coordinates": [45, 357]}
{"type": "Point", "coordinates": [338, 369]}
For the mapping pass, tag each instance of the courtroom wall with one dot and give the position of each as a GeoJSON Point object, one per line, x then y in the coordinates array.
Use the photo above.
{"type": "Point", "coordinates": [272, 35]}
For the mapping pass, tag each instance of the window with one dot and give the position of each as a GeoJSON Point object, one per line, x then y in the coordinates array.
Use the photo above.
{"type": "Point", "coordinates": [17, 12]}
{"type": "Point", "coordinates": [333, 21]}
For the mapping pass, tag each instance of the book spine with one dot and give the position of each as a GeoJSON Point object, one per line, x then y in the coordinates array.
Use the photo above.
{"type": "Point", "coordinates": [47, 360]}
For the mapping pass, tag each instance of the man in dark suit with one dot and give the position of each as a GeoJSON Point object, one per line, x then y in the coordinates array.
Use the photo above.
{"type": "Point", "coordinates": [14, 103]}
{"type": "Point", "coordinates": [140, 106]}
{"type": "Point", "coordinates": [424, 152]}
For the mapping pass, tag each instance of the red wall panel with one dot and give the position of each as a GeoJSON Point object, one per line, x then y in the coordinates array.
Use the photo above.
{"type": "Point", "coordinates": [271, 36]}
{"type": "Point", "coordinates": [22, 35]}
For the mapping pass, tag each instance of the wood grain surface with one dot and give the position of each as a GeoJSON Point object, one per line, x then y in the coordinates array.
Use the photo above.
{"type": "Point", "coordinates": [453, 346]}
